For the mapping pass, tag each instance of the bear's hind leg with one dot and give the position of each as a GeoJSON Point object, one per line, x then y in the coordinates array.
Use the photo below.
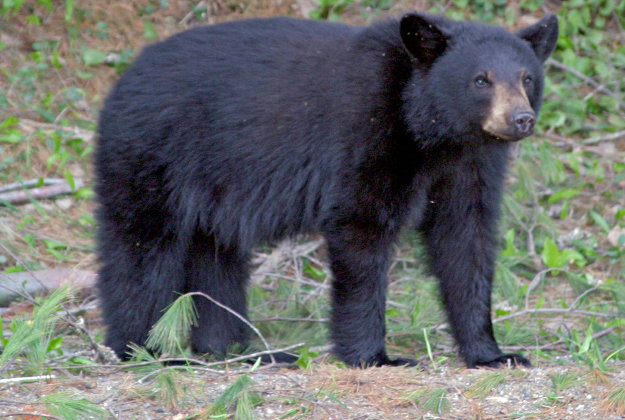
{"type": "Point", "coordinates": [136, 283]}
{"type": "Point", "coordinates": [221, 273]}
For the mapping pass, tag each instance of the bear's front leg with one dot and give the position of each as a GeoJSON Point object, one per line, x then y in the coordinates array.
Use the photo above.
{"type": "Point", "coordinates": [359, 258]}
{"type": "Point", "coordinates": [460, 230]}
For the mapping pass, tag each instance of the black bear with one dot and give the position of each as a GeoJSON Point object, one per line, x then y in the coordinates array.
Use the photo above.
{"type": "Point", "coordinates": [227, 136]}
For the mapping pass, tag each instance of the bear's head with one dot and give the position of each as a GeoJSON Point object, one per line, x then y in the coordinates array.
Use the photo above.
{"type": "Point", "coordinates": [474, 81]}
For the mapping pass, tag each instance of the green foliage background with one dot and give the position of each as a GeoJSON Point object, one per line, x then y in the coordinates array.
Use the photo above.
{"type": "Point", "coordinates": [560, 279]}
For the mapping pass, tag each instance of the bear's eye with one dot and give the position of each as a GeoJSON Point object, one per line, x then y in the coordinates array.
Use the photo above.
{"type": "Point", "coordinates": [527, 80]}
{"type": "Point", "coordinates": [480, 81]}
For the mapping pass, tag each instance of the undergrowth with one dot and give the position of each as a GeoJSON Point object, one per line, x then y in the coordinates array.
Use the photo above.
{"type": "Point", "coordinates": [560, 279]}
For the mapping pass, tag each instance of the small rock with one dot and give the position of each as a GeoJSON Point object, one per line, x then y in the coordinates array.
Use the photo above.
{"type": "Point", "coordinates": [614, 235]}
{"type": "Point", "coordinates": [64, 203]}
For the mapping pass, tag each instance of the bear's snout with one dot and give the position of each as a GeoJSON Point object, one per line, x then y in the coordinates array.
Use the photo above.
{"type": "Point", "coordinates": [523, 123]}
{"type": "Point", "coordinates": [511, 116]}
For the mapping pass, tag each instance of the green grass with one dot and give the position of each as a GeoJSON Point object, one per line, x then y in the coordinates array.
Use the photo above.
{"type": "Point", "coordinates": [431, 400]}
{"type": "Point", "coordinates": [72, 407]}
{"type": "Point", "coordinates": [560, 278]}
{"type": "Point", "coordinates": [487, 384]}
{"type": "Point", "coordinates": [33, 340]}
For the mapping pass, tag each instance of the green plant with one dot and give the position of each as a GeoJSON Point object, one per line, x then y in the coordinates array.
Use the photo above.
{"type": "Point", "coordinates": [170, 335]}
{"type": "Point", "coordinates": [165, 385]}
{"type": "Point", "coordinates": [554, 258]}
{"type": "Point", "coordinates": [564, 380]}
{"type": "Point", "coordinates": [432, 400]}
{"type": "Point", "coordinates": [305, 358]}
{"type": "Point", "coordinates": [34, 338]}
{"type": "Point", "coordinates": [329, 9]}
{"type": "Point", "coordinates": [71, 406]}
{"type": "Point", "coordinates": [13, 7]}
{"type": "Point", "coordinates": [587, 349]}
{"type": "Point", "coordinates": [240, 396]}
{"type": "Point", "coordinates": [564, 205]}
{"type": "Point", "coordinates": [486, 384]}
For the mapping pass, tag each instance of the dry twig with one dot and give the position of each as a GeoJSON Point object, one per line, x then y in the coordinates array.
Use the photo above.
{"type": "Point", "coordinates": [240, 317]}
{"type": "Point", "coordinates": [586, 79]}
{"type": "Point", "coordinates": [46, 191]}
{"type": "Point", "coordinates": [608, 137]}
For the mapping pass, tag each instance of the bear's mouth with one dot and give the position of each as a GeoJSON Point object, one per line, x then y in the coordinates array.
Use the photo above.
{"type": "Point", "coordinates": [505, 137]}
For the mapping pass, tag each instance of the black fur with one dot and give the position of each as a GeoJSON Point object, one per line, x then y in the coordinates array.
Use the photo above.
{"type": "Point", "coordinates": [227, 136]}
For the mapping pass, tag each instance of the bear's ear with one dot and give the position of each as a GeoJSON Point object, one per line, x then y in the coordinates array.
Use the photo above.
{"type": "Point", "coordinates": [542, 36]}
{"type": "Point", "coordinates": [422, 37]}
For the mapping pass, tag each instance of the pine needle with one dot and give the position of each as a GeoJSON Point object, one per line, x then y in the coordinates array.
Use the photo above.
{"type": "Point", "coordinates": [486, 384]}
{"type": "Point", "coordinates": [615, 400]}
{"type": "Point", "coordinates": [432, 400]}
{"type": "Point", "coordinates": [31, 337]}
{"type": "Point", "coordinates": [170, 335]}
{"type": "Point", "coordinates": [237, 395]}
{"type": "Point", "coordinates": [563, 380]}
{"type": "Point", "coordinates": [72, 407]}
{"type": "Point", "coordinates": [170, 389]}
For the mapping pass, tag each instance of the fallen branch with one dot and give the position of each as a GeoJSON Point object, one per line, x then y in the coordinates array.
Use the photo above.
{"type": "Point", "coordinates": [31, 183]}
{"type": "Point", "coordinates": [608, 137]}
{"type": "Point", "coordinates": [189, 15]}
{"type": "Point", "coordinates": [241, 317]}
{"type": "Point", "coordinates": [206, 366]}
{"type": "Point", "coordinates": [558, 311]}
{"type": "Point", "coordinates": [539, 277]}
{"type": "Point", "coordinates": [566, 142]}
{"type": "Point", "coordinates": [281, 318]}
{"type": "Point", "coordinates": [254, 355]}
{"type": "Point", "coordinates": [32, 125]}
{"type": "Point", "coordinates": [197, 363]}
{"type": "Point", "coordinates": [27, 296]}
{"type": "Point", "coordinates": [25, 379]}
{"type": "Point", "coordinates": [45, 191]}
{"type": "Point", "coordinates": [29, 414]}
{"type": "Point", "coordinates": [27, 284]}
{"type": "Point", "coordinates": [586, 79]}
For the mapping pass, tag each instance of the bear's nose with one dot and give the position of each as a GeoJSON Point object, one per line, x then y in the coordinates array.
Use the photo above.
{"type": "Point", "coordinates": [523, 122]}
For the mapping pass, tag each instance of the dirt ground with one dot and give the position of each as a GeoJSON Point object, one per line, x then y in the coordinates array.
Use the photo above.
{"type": "Point", "coordinates": [324, 391]}
{"type": "Point", "coordinates": [328, 392]}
